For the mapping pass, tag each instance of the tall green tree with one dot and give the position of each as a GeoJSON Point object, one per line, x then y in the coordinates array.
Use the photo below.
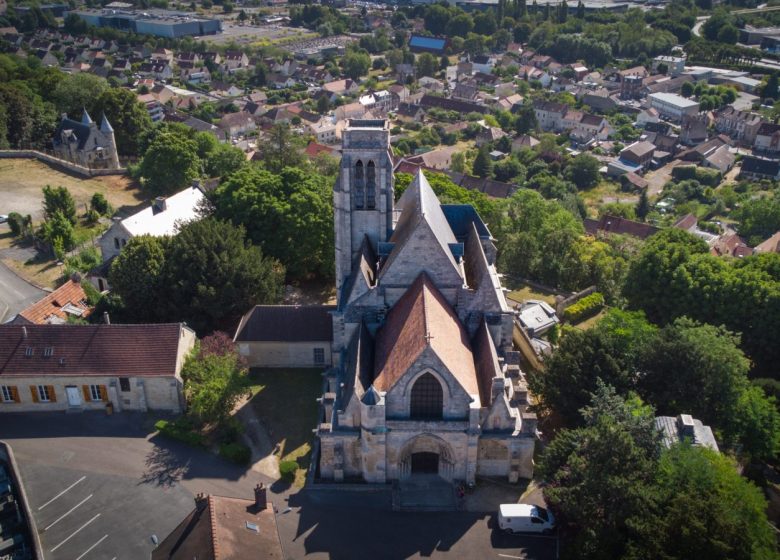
{"type": "Point", "coordinates": [289, 215]}
{"type": "Point", "coordinates": [79, 91]}
{"type": "Point", "coordinates": [213, 275]}
{"type": "Point", "coordinates": [482, 166]}
{"type": "Point", "coordinates": [583, 171]}
{"type": "Point", "coordinates": [642, 205]}
{"type": "Point", "coordinates": [128, 117]}
{"type": "Point", "coordinates": [355, 64]}
{"type": "Point", "coordinates": [58, 199]}
{"type": "Point", "coordinates": [170, 164]}
{"type": "Point", "coordinates": [136, 276]}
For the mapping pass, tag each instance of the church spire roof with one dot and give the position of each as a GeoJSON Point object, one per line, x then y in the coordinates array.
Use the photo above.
{"type": "Point", "coordinates": [105, 126]}
{"type": "Point", "coordinates": [85, 118]}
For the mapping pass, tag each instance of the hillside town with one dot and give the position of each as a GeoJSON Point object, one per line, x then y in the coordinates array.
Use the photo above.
{"type": "Point", "coordinates": [466, 279]}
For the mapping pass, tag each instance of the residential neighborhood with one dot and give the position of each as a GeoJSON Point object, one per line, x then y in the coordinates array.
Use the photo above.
{"type": "Point", "coordinates": [338, 280]}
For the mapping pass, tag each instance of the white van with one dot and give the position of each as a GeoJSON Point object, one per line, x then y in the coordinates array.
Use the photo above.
{"type": "Point", "coordinates": [525, 518]}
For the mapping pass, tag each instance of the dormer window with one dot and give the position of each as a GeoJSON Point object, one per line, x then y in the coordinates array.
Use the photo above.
{"type": "Point", "coordinates": [48, 351]}
{"type": "Point", "coordinates": [29, 351]}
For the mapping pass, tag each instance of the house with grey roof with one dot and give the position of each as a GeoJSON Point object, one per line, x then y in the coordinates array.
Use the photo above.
{"type": "Point", "coordinates": [685, 427]}
{"type": "Point", "coordinates": [86, 143]}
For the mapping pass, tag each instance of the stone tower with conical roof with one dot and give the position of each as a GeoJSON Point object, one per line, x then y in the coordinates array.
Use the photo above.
{"type": "Point", "coordinates": [86, 143]}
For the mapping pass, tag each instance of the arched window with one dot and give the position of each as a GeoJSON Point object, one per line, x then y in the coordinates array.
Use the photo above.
{"type": "Point", "coordinates": [427, 398]}
{"type": "Point", "coordinates": [371, 185]}
{"type": "Point", "coordinates": [359, 185]}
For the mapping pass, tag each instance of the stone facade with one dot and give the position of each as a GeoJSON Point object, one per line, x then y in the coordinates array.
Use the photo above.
{"type": "Point", "coordinates": [86, 143]}
{"type": "Point", "coordinates": [425, 379]}
{"type": "Point", "coordinates": [274, 354]}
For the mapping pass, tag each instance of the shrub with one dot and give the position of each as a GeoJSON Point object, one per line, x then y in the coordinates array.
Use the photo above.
{"type": "Point", "coordinates": [99, 204]}
{"type": "Point", "coordinates": [182, 430]}
{"type": "Point", "coordinates": [236, 452]}
{"type": "Point", "coordinates": [16, 223]}
{"type": "Point", "coordinates": [684, 172]}
{"type": "Point", "coordinates": [288, 469]}
{"type": "Point", "coordinates": [586, 307]}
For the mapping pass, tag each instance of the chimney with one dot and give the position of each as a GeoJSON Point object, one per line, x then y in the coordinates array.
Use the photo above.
{"type": "Point", "coordinates": [261, 501]}
{"type": "Point", "coordinates": [158, 205]}
{"type": "Point", "coordinates": [685, 425]}
{"type": "Point", "coordinates": [201, 501]}
{"type": "Point", "coordinates": [106, 318]}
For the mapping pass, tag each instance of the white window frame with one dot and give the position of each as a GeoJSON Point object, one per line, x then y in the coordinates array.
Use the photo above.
{"type": "Point", "coordinates": [6, 394]}
{"type": "Point", "coordinates": [94, 393]}
{"type": "Point", "coordinates": [43, 393]}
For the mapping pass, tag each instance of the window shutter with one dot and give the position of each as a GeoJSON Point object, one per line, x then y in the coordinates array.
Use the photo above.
{"type": "Point", "coordinates": [15, 394]}
{"type": "Point", "coordinates": [34, 393]}
{"type": "Point", "coordinates": [103, 393]}
{"type": "Point", "coordinates": [52, 394]}
{"type": "Point", "coordinates": [85, 390]}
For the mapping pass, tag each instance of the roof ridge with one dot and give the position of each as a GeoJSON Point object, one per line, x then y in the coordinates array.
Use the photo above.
{"type": "Point", "coordinates": [213, 519]}
{"type": "Point", "coordinates": [425, 310]}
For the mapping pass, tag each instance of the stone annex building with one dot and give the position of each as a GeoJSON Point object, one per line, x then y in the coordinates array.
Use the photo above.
{"type": "Point", "coordinates": [424, 378]}
{"type": "Point", "coordinates": [86, 143]}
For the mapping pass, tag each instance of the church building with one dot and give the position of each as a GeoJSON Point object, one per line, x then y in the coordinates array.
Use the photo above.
{"type": "Point", "coordinates": [424, 376]}
{"type": "Point", "coordinates": [86, 143]}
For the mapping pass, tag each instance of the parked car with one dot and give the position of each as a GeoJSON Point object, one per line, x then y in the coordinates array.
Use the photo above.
{"type": "Point", "coordinates": [525, 518]}
{"type": "Point", "coordinates": [3, 218]}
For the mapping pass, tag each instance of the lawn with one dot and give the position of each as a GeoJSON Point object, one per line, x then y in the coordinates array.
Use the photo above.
{"type": "Point", "coordinates": [586, 324]}
{"type": "Point", "coordinates": [285, 401]}
{"type": "Point", "coordinates": [521, 292]}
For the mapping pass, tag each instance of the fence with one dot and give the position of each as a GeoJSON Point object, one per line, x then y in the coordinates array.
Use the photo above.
{"type": "Point", "coordinates": [62, 164]}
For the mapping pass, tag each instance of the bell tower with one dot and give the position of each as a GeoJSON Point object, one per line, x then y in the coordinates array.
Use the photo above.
{"type": "Point", "coordinates": [363, 194]}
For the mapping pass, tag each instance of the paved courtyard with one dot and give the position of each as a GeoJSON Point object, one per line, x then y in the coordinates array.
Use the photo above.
{"type": "Point", "coordinates": [100, 487]}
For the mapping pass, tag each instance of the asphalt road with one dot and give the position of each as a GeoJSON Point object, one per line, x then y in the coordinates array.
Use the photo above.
{"type": "Point", "coordinates": [15, 294]}
{"type": "Point", "coordinates": [100, 487]}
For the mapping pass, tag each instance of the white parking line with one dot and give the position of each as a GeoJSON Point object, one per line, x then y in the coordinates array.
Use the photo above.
{"type": "Point", "coordinates": [505, 556]}
{"type": "Point", "coordinates": [73, 534]}
{"type": "Point", "coordinates": [61, 493]}
{"type": "Point", "coordinates": [64, 515]}
{"type": "Point", "coordinates": [83, 554]}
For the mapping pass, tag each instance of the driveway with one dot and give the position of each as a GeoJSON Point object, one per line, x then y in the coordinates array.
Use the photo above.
{"type": "Point", "coordinates": [15, 294]}
{"type": "Point", "coordinates": [100, 487]}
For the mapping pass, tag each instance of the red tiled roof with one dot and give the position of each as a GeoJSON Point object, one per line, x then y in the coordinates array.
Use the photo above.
{"type": "Point", "coordinates": [314, 149]}
{"type": "Point", "coordinates": [423, 319]}
{"type": "Point", "coordinates": [50, 308]}
{"type": "Point", "coordinates": [76, 350]}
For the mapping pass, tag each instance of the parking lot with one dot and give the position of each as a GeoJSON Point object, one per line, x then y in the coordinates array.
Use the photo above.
{"type": "Point", "coordinates": [99, 487]}
{"type": "Point", "coordinates": [82, 516]}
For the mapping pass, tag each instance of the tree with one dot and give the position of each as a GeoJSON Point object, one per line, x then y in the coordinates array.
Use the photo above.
{"type": "Point", "coordinates": [99, 204]}
{"type": "Point", "coordinates": [526, 120]}
{"type": "Point", "coordinates": [687, 89]}
{"type": "Point", "coordinates": [757, 424]}
{"type": "Point", "coordinates": [599, 478]}
{"type": "Point", "coordinates": [583, 171]}
{"type": "Point", "coordinates": [279, 151]}
{"type": "Point", "coordinates": [128, 117]}
{"type": "Point", "coordinates": [436, 19]}
{"type": "Point", "coordinates": [323, 104]}
{"type": "Point", "coordinates": [136, 276]}
{"type": "Point", "coordinates": [77, 92]}
{"type": "Point", "coordinates": [485, 23]}
{"type": "Point", "coordinates": [276, 210]}
{"type": "Point", "coordinates": [214, 382]}
{"type": "Point", "coordinates": [212, 275]}
{"type": "Point", "coordinates": [224, 160]}
{"type": "Point", "coordinates": [170, 164]}
{"type": "Point", "coordinates": [57, 231]}
{"type": "Point", "coordinates": [426, 65]}
{"type": "Point", "coordinates": [483, 165]}
{"type": "Point", "coordinates": [59, 199]}
{"type": "Point", "coordinates": [460, 26]}
{"type": "Point", "coordinates": [708, 510]}
{"type": "Point", "coordinates": [771, 90]}
{"type": "Point", "coordinates": [758, 219]}
{"type": "Point", "coordinates": [355, 64]}
{"type": "Point", "coordinates": [642, 205]}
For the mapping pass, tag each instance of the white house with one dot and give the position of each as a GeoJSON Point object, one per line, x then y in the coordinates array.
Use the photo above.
{"type": "Point", "coordinates": [161, 218]}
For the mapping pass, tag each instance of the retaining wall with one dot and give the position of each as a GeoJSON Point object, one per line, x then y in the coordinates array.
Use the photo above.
{"type": "Point", "coordinates": [60, 163]}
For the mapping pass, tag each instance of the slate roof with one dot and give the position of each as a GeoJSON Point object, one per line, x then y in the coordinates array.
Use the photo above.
{"type": "Point", "coordinates": [759, 166]}
{"type": "Point", "coordinates": [286, 323]}
{"type": "Point", "coordinates": [220, 530]}
{"type": "Point", "coordinates": [674, 430]}
{"type": "Point", "coordinates": [83, 350]}
{"type": "Point", "coordinates": [419, 203]}
{"type": "Point", "coordinates": [423, 319]}
{"type": "Point", "coordinates": [80, 131]}
{"type": "Point", "coordinates": [67, 300]}
{"type": "Point", "coordinates": [768, 129]}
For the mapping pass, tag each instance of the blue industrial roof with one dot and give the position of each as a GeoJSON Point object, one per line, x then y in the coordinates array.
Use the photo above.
{"type": "Point", "coordinates": [427, 42]}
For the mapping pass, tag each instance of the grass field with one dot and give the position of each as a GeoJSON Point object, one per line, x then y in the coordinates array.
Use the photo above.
{"type": "Point", "coordinates": [285, 401]}
{"type": "Point", "coordinates": [520, 292]}
{"type": "Point", "coordinates": [21, 181]}
{"type": "Point", "coordinates": [590, 321]}
{"type": "Point", "coordinates": [21, 184]}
